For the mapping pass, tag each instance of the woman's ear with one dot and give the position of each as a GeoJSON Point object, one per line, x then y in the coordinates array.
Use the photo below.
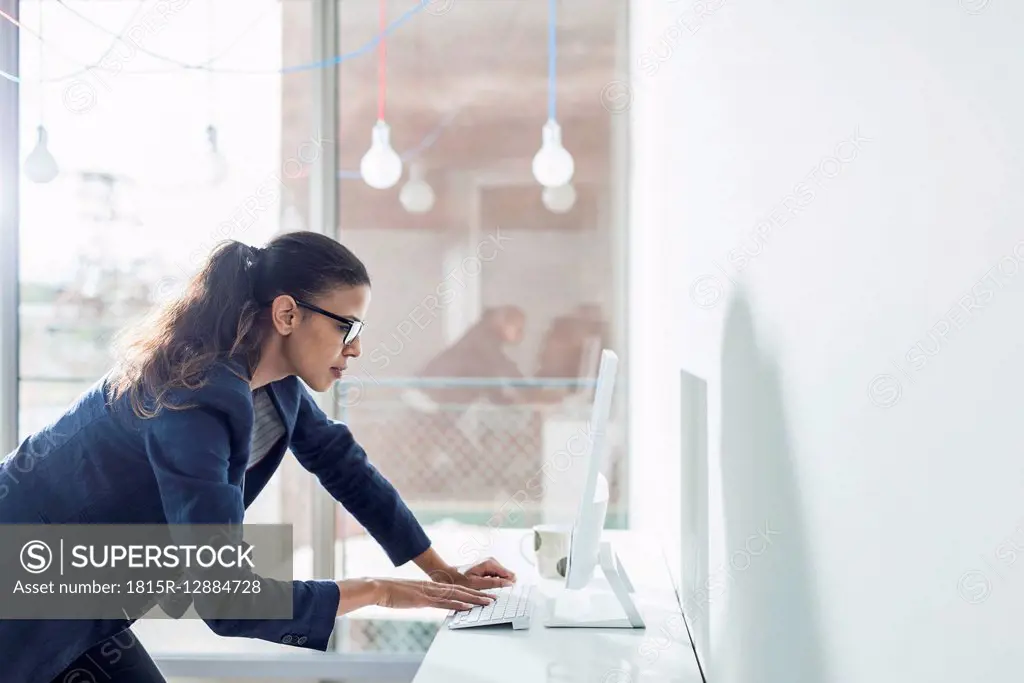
{"type": "Point", "coordinates": [284, 314]}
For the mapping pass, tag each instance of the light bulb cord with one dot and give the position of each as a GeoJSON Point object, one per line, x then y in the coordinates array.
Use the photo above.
{"type": "Point", "coordinates": [178, 65]}
{"type": "Point", "coordinates": [42, 68]}
{"type": "Point", "coordinates": [382, 60]}
{"type": "Point", "coordinates": [552, 58]}
{"type": "Point", "coordinates": [211, 90]}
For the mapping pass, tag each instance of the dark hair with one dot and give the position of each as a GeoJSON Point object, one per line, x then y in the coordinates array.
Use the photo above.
{"type": "Point", "coordinates": [220, 313]}
{"type": "Point", "coordinates": [493, 318]}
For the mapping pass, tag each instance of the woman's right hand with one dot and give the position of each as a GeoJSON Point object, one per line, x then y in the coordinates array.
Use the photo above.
{"type": "Point", "coordinates": [402, 593]}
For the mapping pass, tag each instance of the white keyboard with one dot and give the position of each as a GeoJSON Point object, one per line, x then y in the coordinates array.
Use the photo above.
{"type": "Point", "coordinates": [511, 606]}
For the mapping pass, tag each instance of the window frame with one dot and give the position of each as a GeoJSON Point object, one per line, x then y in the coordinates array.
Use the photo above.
{"type": "Point", "coordinates": [10, 104]}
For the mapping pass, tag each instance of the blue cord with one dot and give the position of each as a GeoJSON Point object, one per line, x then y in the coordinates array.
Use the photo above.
{"type": "Point", "coordinates": [551, 59]}
{"type": "Point", "coordinates": [423, 145]}
{"type": "Point", "coordinates": [365, 48]}
{"type": "Point", "coordinates": [311, 65]}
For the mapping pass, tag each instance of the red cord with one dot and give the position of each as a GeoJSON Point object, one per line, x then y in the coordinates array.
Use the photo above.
{"type": "Point", "coordinates": [382, 63]}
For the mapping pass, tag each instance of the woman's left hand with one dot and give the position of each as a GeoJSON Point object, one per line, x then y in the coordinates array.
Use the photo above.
{"type": "Point", "coordinates": [487, 574]}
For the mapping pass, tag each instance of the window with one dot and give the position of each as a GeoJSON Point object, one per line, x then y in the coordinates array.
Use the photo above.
{"type": "Point", "coordinates": [143, 195]}
{"type": "Point", "coordinates": [492, 298]}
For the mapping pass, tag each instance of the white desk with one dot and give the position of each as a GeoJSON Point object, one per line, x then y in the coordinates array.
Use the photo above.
{"type": "Point", "coordinates": [662, 652]}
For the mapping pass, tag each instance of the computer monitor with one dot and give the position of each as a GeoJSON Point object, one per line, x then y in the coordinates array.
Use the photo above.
{"type": "Point", "coordinates": [585, 538]}
{"type": "Point", "coordinates": [576, 606]}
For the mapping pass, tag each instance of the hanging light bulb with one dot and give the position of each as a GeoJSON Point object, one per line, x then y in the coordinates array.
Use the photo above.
{"type": "Point", "coordinates": [417, 196]}
{"type": "Point", "coordinates": [381, 167]}
{"type": "Point", "coordinates": [559, 199]}
{"type": "Point", "coordinates": [216, 165]}
{"type": "Point", "coordinates": [40, 166]}
{"type": "Point", "coordinates": [552, 165]}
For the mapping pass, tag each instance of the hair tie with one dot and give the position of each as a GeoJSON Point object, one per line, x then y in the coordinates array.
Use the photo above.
{"type": "Point", "coordinates": [252, 262]}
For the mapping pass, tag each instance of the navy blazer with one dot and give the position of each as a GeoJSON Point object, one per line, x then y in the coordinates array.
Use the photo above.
{"type": "Point", "coordinates": [100, 463]}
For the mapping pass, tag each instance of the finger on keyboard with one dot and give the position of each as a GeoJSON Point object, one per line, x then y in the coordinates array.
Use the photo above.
{"type": "Point", "coordinates": [473, 596]}
{"type": "Point", "coordinates": [456, 605]}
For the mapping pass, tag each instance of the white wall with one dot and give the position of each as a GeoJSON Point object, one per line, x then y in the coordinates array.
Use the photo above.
{"type": "Point", "coordinates": [889, 475]}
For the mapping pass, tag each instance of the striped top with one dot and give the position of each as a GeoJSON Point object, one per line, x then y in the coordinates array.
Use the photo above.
{"type": "Point", "coordinates": [267, 427]}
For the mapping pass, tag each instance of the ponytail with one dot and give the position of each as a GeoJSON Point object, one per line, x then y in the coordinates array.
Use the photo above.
{"type": "Point", "coordinates": [214, 318]}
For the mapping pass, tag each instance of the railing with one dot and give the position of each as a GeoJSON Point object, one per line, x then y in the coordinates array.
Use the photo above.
{"type": "Point", "coordinates": [450, 452]}
{"type": "Point", "coordinates": [462, 460]}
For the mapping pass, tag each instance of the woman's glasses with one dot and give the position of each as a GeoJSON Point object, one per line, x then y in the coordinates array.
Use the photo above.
{"type": "Point", "coordinates": [353, 325]}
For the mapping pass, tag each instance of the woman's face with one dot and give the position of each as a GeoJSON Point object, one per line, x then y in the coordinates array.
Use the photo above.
{"type": "Point", "coordinates": [314, 345]}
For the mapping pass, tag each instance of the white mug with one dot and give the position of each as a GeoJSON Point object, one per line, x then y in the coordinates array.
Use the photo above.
{"type": "Point", "coordinates": [551, 549]}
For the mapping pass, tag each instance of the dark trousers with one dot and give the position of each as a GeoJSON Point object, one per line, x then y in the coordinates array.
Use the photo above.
{"type": "Point", "coordinates": [119, 659]}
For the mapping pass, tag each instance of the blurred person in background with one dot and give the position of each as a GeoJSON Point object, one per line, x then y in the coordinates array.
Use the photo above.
{"type": "Point", "coordinates": [458, 378]}
{"type": "Point", "coordinates": [480, 353]}
{"type": "Point", "coordinates": [571, 346]}
{"type": "Point", "coordinates": [186, 430]}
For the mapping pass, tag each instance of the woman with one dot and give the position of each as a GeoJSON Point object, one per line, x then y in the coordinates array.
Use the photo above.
{"type": "Point", "coordinates": [188, 427]}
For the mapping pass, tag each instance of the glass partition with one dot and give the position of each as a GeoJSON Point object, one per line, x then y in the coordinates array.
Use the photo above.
{"type": "Point", "coordinates": [492, 296]}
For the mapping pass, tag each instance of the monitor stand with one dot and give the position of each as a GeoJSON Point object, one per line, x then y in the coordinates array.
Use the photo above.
{"type": "Point", "coordinates": [590, 608]}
